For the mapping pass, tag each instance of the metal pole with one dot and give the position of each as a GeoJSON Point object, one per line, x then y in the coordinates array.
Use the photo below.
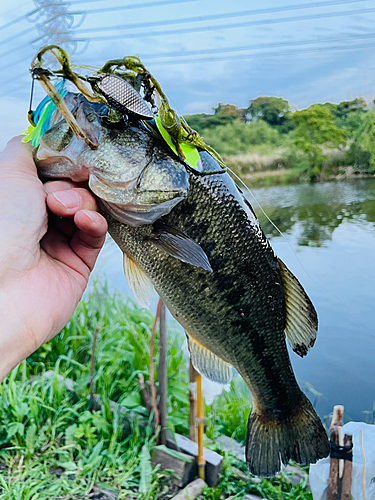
{"type": "Point", "coordinates": [193, 404]}
{"type": "Point", "coordinates": [200, 420]}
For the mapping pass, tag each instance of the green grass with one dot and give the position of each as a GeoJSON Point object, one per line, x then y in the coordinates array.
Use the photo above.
{"type": "Point", "coordinates": [236, 482]}
{"type": "Point", "coordinates": [229, 412]}
{"type": "Point", "coordinates": [56, 442]}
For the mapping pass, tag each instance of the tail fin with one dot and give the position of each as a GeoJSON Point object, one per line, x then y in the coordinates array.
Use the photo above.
{"type": "Point", "coordinates": [300, 437]}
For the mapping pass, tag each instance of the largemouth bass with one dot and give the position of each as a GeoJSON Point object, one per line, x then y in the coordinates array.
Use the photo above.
{"type": "Point", "coordinates": [205, 254]}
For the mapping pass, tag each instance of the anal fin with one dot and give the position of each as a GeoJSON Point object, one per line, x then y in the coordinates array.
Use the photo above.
{"type": "Point", "coordinates": [139, 283]}
{"type": "Point", "coordinates": [208, 364]}
{"type": "Point", "coordinates": [301, 319]}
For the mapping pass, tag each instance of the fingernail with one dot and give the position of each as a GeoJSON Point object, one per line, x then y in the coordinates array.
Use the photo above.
{"type": "Point", "coordinates": [70, 199]}
{"type": "Point", "coordinates": [91, 215]}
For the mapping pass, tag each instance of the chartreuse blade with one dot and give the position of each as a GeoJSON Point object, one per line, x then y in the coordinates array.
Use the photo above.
{"type": "Point", "coordinates": [191, 153]}
{"type": "Point", "coordinates": [42, 117]}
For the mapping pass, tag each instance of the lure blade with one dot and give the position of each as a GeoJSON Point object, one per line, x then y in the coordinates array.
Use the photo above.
{"type": "Point", "coordinates": [190, 151]}
{"type": "Point", "coordinates": [123, 97]}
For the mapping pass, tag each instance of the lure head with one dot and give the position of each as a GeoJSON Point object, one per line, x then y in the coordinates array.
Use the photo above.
{"type": "Point", "coordinates": [135, 174]}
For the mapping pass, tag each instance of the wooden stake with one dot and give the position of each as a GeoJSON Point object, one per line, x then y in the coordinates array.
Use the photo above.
{"type": "Point", "coordinates": [348, 467]}
{"type": "Point", "coordinates": [200, 420]}
{"type": "Point", "coordinates": [336, 423]}
{"type": "Point", "coordinates": [162, 373]}
{"type": "Point", "coordinates": [193, 405]}
{"type": "Point", "coordinates": [338, 415]}
{"type": "Point", "coordinates": [333, 485]}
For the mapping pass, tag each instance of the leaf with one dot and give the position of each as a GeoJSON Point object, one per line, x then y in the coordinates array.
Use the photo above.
{"type": "Point", "coordinates": [146, 470]}
{"type": "Point", "coordinates": [173, 453]}
{"type": "Point", "coordinates": [31, 439]}
{"type": "Point", "coordinates": [70, 466]}
{"type": "Point", "coordinates": [79, 432]}
{"type": "Point", "coordinates": [15, 428]}
{"type": "Point", "coordinates": [69, 434]}
{"type": "Point", "coordinates": [132, 400]}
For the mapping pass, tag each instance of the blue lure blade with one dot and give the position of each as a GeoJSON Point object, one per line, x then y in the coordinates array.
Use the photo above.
{"type": "Point", "coordinates": [43, 114]}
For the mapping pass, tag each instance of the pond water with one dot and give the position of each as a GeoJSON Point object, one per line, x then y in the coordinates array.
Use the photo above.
{"type": "Point", "coordinates": [329, 244]}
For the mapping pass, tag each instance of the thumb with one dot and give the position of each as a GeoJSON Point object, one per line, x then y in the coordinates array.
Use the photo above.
{"type": "Point", "coordinates": [18, 153]}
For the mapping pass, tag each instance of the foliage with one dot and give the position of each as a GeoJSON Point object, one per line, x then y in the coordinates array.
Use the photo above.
{"type": "Point", "coordinates": [202, 122]}
{"type": "Point", "coordinates": [315, 128]}
{"type": "Point", "coordinates": [56, 442]}
{"type": "Point", "coordinates": [320, 142]}
{"type": "Point", "coordinates": [236, 482]}
{"type": "Point", "coordinates": [240, 137]}
{"type": "Point", "coordinates": [365, 138]}
{"type": "Point", "coordinates": [230, 412]}
{"type": "Point", "coordinates": [230, 110]}
{"type": "Point", "coordinates": [275, 111]}
{"type": "Point", "coordinates": [348, 114]}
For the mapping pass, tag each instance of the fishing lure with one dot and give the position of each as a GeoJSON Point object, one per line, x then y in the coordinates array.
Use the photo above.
{"type": "Point", "coordinates": [118, 84]}
{"type": "Point", "coordinates": [41, 118]}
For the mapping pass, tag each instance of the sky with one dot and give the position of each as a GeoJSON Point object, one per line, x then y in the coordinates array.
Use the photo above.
{"type": "Point", "coordinates": [201, 51]}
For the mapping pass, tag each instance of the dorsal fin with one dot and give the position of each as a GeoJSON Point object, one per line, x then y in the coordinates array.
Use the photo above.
{"type": "Point", "coordinates": [301, 319]}
{"type": "Point", "coordinates": [207, 363]}
{"type": "Point", "coordinates": [139, 283]}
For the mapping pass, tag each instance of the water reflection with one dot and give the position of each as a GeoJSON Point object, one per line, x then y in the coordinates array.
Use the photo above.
{"type": "Point", "coordinates": [318, 209]}
{"type": "Point", "coordinates": [330, 246]}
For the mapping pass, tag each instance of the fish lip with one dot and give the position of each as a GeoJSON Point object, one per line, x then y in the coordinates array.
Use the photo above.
{"type": "Point", "coordinates": [139, 215]}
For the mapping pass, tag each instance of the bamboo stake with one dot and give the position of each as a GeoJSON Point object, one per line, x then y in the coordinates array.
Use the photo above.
{"type": "Point", "coordinates": [348, 467]}
{"type": "Point", "coordinates": [193, 404]}
{"type": "Point", "coordinates": [200, 420]}
{"type": "Point", "coordinates": [162, 373]}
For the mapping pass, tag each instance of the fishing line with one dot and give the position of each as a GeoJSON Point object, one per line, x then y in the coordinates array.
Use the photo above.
{"type": "Point", "coordinates": [284, 236]}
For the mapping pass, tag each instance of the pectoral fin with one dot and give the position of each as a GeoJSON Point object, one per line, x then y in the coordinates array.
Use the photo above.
{"type": "Point", "coordinates": [208, 364]}
{"type": "Point", "coordinates": [139, 283]}
{"type": "Point", "coordinates": [301, 319]}
{"type": "Point", "coordinates": [177, 244]}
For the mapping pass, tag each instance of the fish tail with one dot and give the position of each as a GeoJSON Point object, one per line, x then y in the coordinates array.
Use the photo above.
{"type": "Point", "coordinates": [300, 437]}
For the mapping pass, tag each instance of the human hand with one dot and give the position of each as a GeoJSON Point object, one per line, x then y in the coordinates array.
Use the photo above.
{"type": "Point", "coordinates": [44, 267]}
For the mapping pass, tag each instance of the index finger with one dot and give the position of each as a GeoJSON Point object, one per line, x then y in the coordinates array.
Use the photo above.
{"type": "Point", "coordinates": [18, 153]}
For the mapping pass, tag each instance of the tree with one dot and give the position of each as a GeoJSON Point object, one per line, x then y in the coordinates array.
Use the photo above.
{"type": "Point", "coordinates": [314, 129]}
{"type": "Point", "coordinates": [229, 110]}
{"type": "Point", "coordinates": [365, 138]}
{"type": "Point", "coordinates": [224, 114]}
{"type": "Point", "coordinates": [276, 111]}
{"type": "Point", "coordinates": [348, 114]}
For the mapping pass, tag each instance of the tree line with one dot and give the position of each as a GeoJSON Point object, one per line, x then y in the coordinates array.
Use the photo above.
{"type": "Point", "coordinates": [315, 142]}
